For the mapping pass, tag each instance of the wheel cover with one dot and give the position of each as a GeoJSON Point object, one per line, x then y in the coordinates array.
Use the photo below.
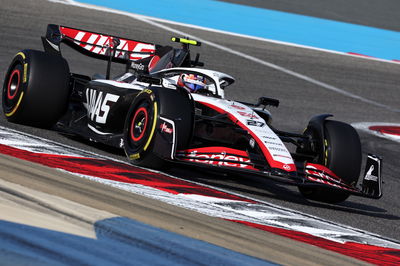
{"type": "Point", "coordinates": [139, 124]}
{"type": "Point", "coordinates": [13, 84]}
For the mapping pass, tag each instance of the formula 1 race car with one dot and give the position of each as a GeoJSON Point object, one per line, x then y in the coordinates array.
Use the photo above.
{"type": "Point", "coordinates": [165, 109]}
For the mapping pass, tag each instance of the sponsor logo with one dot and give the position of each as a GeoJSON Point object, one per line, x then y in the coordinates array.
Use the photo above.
{"type": "Point", "coordinates": [252, 143]}
{"type": "Point", "coordinates": [325, 182]}
{"type": "Point", "coordinates": [273, 143]}
{"type": "Point", "coordinates": [255, 123]}
{"type": "Point", "coordinates": [268, 137]}
{"type": "Point", "coordinates": [164, 128]}
{"type": "Point", "coordinates": [215, 159]}
{"type": "Point", "coordinates": [245, 114]}
{"type": "Point", "coordinates": [370, 176]}
{"type": "Point", "coordinates": [99, 104]}
{"type": "Point", "coordinates": [324, 177]}
{"type": "Point", "coordinates": [238, 107]}
{"type": "Point", "coordinates": [287, 167]}
{"type": "Point", "coordinates": [134, 156]}
{"type": "Point", "coordinates": [148, 91]}
{"type": "Point", "coordinates": [198, 111]}
{"type": "Point", "coordinates": [277, 149]}
{"type": "Point", "coordinates": [136, 66]}
{"type": "Point", "coordinates": [98, 44]}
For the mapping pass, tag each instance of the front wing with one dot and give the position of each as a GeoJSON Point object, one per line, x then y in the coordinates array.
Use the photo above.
{"type": "Point", "coordinates": [307, 174]}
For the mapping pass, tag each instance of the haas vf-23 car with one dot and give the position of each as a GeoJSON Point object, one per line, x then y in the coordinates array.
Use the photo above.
{"type": "Point", "coordinates": [165, 109]}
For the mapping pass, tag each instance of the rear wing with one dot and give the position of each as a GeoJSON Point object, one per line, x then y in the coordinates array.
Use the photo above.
{"type": "Point", "coordinates": [97, 45]}
{"type": "Point", "coordinates": [137, 55]}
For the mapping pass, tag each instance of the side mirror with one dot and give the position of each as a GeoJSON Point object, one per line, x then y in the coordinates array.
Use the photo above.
{"type": "Point", "coordinates": [267, 101]}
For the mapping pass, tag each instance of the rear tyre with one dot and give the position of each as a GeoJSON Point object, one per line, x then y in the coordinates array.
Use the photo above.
{"type": "Point", "coordinates": [342, 155]}
{"type": "Point", "coordinates": [36, 88]}
{"type": "Point", "coordinates": [140, 132]}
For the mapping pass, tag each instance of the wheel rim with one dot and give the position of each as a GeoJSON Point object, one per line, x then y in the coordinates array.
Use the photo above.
{"type": "Point", "coordinates": [13, 84]}
{"type": "Point", "coordinates": [139, 124]}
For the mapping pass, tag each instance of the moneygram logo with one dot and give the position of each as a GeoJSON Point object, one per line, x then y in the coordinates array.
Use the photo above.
{"type": "Point", "coordinates": [136, 66]}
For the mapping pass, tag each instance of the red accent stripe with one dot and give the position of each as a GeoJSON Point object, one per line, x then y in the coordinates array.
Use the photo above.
{"type": "Point", "coordinates": [95, 43]}
{"type": "Point", "coordinates": [362, 55]}
{"type": "Point", "coordinates": [85, 39]}
{"type": "Point", "coordinates": [390, 130]}
{"type": "Point", "coordinates": [116, 171]}
{"type": "Point", "coordinates": [129, 45]}
{"type": "Point", "coordinates": [267, 154]}
{"type": "Point", "coordinates": [153, 62]}
{"type": "Point", "coordinates": [323, 169]}
{"type": "Point", "coordinates": [218, 150]}
{"type": "Point", "coordinates": [121, 172]}
{"type": "Point", "coordinates": [368, 56]}
{"type": "Point", "coordinates": [369, 253]}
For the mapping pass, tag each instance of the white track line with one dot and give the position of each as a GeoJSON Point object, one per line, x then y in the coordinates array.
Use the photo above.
{"type": "Point", "coordinates": [268, 40]}
{"type": "Point", "coordinates": [72, 2]}
{"type": "Point", "coordinates": [259, 212]}
{"type": "Point", "coordinates": [273, 66]}
{"type": "Point", "coordinates": [23, 141]}
{"type": "Point", "coordinates": [364, 126]}
{"type": "Point", "coordinates": [237, 53]}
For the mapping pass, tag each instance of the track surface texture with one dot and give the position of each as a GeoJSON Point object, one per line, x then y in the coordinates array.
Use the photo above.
{"type": "Point", "coordinates": [81, 212]}
{"type": "Point", "coordinates": [23, 22]}
{"type": "Point", "coordinates": [379, 14]}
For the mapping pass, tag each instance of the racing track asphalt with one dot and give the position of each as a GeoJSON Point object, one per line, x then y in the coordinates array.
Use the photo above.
{"type": "Point", "coordinates": [23, 22]}
{"type": "Point", "coordinates": [62, 203]}
{"type": "Point", "coordinates": [379, 14]}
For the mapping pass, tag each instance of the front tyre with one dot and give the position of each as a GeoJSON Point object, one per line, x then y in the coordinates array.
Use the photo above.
{"type": "Point", "coordinates": [340, 151]}
{"type": "Point", "coordinates": [159, 122]}
{"type": "Point", "coordinates": [36, 88]}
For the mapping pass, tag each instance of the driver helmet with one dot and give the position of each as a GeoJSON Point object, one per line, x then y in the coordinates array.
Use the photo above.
{"type": "Point", "coordinates": [191, 82]}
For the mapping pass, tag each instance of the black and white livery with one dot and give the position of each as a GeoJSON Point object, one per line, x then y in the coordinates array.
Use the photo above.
{"type": "Point", "coordinates": [164, 109]}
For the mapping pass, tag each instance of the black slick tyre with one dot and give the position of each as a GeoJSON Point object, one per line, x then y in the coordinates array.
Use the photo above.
{"type": "Point", "coordinates": [36, 88]}
{"type": "Point", "coordinates": [143, 124]}
{"type": "Point", "coordinates": [342, 155]}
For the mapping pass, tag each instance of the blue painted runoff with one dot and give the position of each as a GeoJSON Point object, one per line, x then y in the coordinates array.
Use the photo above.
{"type": "Point", "coordinates": [269, 24]}
{"type": "Point", "coordinates": [119, 241]}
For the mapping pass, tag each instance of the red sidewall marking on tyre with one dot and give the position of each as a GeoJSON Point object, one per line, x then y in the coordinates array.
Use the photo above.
{"type": "Point", "coordinates": [11, 95]}
{"type": "Point", "coordinates": [146, 117]}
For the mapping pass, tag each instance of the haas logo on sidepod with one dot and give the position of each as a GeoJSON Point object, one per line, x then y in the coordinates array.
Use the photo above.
{"type": "Point", "coordinates": [98, 106]}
